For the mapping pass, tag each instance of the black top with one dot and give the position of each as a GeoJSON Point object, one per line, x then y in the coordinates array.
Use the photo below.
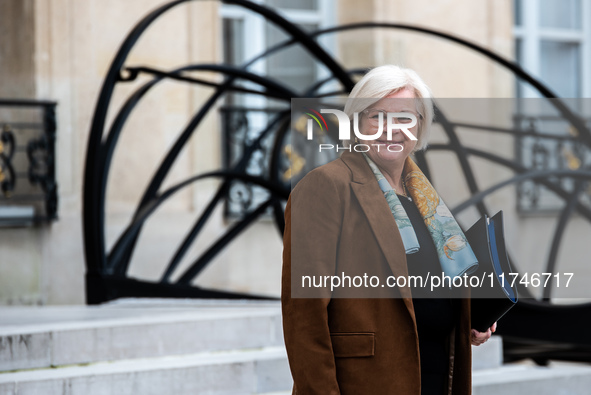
{"type": "Point", "coordinates": [435, 314]}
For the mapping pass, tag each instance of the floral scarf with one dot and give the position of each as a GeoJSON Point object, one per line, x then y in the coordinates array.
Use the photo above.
{"type": "Point", "coordinates": [455, 254]}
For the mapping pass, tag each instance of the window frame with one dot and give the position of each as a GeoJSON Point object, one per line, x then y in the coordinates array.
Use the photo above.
{"type": "Point", "coordinates": [531, 34]}
{"type": "Point", "coordinates": [253, 43]}
{"type": "Point", "coordinates": [253, 40]}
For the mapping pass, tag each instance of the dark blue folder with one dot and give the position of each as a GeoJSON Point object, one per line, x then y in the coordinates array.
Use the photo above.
{"type": "Point", "coordinates": [495, 296]}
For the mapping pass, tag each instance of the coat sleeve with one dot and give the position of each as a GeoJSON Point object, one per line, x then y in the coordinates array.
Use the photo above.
{"type": "Point", "coordinates": [313, 218]}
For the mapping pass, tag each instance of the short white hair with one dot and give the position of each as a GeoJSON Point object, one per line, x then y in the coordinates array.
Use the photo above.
{"type": "Point", "coordinates": [384, 80]}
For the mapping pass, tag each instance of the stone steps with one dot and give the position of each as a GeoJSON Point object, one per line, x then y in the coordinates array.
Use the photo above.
{"type": "Point", "coordinates": [253, 372]}
{"type": "Point", "coordinates": [37, 337]}
{"type": "Point", "coordinates": [256, 371]}
{"type": "Point", "coordinates": [144, 347]}
{"type": "Point", "coordinates": [180, 347]}
{"type": "Point", "coordinates": [520, 379]}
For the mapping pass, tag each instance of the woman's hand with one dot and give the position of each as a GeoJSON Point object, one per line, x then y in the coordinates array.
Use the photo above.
{"type": "Point", "coordinates": [478, 338]}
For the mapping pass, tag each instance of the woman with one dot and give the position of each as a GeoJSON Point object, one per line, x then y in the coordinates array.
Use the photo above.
{"type": "Point", "coordinates": [374, 212]}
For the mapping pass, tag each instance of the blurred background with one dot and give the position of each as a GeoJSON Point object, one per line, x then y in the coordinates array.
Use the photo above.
{"type": "Point", "coordinates": [57, 56]}
{"type": "Point", "coordinates": [61, 51]}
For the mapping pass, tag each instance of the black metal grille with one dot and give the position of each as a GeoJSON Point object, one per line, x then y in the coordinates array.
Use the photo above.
{"type": "Point", "coordinates": [28, 189]}
{"type": "Point", "coordinates": [240, 131]}
{"type": "Point", "coordinates": [550, 143]}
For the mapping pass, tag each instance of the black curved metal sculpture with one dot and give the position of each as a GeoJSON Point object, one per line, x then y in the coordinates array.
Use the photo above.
{"type": "Point", "coordinates": [544, 336]}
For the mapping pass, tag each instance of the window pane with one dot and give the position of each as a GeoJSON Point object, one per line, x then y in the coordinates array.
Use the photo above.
{"type": "Point", "coordinates": [565, 14]}
{"type": "Point", "coordinates": [560, 67]}
{"type": "Point", "coordinates": [517, 4]}
{"type": "Point", "coordinates": [294, 5]}
{"type": "Point", "coordinates": [519, 59]}
{"type": "Point", "coordinates": [295, 66]}
{"type": "Point", "coordinates": [233, 49]}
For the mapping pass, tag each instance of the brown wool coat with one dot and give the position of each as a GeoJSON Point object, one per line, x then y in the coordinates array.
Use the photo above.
{"type": "Point", "coordinates": [354, 346]}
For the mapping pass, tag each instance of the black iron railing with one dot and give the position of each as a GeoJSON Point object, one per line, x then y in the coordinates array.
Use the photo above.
{"type": "Point", "coordinates": [28, 189]}
{"type": "Point", "coordinates": [549, 143]}
{"type": "Point", "coordinates": [238, 134]}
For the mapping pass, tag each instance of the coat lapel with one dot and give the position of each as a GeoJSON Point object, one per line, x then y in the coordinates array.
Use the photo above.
{"type": "Point", "coordinates": [381, 220]}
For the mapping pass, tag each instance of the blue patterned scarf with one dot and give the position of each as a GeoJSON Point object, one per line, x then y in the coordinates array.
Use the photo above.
{"type": "Point", "coordinates": [455, 254]}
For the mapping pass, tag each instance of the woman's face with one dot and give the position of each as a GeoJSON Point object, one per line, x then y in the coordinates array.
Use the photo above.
{"type": "Point", "coordinates": [386, 152]}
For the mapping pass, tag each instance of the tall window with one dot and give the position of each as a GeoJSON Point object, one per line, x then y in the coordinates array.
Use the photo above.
{"type": "Point", "coordinates": [553, 43]}
{"type": "Point", "coordinates": [245, 36]}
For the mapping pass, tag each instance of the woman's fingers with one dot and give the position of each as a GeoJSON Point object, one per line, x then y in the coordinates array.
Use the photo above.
{"type": "Point", "coordinates": [478, 338]}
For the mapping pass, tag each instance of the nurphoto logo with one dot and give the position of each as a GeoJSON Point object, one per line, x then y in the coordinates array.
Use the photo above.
{"type": "Point", "coordinates": [376, 118]}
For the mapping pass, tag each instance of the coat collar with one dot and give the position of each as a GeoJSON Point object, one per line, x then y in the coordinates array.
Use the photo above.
{"type": "Point", "coordinates": [381, 220]}
{"type": "Point", "coordinates": [361, 172]}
